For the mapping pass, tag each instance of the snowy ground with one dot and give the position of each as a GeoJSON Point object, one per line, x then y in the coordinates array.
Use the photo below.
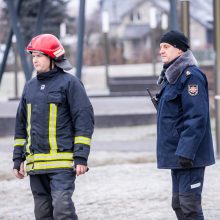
{"type": "Point", "coordinates": [123, 182]}
{"type": "Point", "coordinates": [131, 188]}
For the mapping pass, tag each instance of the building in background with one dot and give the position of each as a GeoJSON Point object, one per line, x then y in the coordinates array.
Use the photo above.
{"type": "Point", "coordinates": [135, 29]}
{"type": "Point", "coordinates": [131, 24]}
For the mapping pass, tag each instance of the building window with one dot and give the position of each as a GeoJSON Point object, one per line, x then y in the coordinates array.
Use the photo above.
{"type": "Point", "coordinates": [131, 17]}
{"type": "Point", "coordinates": [210, 36]}
{"type": "Point", "coordinates": [138, 16]}
{"type": "Point", "coordinates": [135, 17]}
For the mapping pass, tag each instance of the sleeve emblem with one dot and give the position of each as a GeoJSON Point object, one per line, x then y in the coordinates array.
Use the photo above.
{"type": "Point", "coordinates": [193, 89]}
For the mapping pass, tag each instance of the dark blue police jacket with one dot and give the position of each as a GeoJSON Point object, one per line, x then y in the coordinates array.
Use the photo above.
{"type": "Point", "coordinates": [183, 122]}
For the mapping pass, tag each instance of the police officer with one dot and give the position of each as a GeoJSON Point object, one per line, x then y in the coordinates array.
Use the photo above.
{"type": "Point", "coordinates": [54, 126]}
{"type": "Point", "coordinates": [184, 140]}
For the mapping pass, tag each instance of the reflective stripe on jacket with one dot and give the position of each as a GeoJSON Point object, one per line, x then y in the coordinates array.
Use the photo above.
{"type": "Point", "coordinates": [54, 122]}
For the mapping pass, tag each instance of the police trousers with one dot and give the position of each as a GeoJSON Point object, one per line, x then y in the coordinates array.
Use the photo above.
{"type": "Point", "coordinates": [187, 190]}
{"type": "Point", "coordinates": [52, 194]}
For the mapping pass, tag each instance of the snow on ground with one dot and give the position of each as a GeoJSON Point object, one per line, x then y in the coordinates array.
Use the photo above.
{"type": "Point", "coordinates": [119, 186]}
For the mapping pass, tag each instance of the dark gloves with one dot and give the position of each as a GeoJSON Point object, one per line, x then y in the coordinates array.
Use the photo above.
{"type": "Point", "coordinates": [17, 164]}
{"type": "Point", "coordinates": [185, 162]}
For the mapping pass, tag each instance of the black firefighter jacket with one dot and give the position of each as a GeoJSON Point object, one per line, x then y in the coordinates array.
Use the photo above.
{"type": "Point", "coordinates": [54, 123]}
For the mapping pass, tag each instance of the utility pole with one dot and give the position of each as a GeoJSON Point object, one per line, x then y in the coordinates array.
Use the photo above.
{"type": "Point", "coordinates": [105, 30]}
{"type": "Point", "coordinates": [15, 66]}
{"type": "Point", "coordinates": [153, 26]}
{"type": "Point", "coordinates": [8, 42]}
{"type": "Point", "coordinates": [173, 22]}
{"type": "Point", "coordinates": [80, 39]}
{"type": "Point", "coordinates": [20, 42]}
{"type": "Point", "coordinates": [185, 17]}
{"type": "Point", "coordinates": [216, 10]}
{"type": "Point", "coordinates": [40, 17]}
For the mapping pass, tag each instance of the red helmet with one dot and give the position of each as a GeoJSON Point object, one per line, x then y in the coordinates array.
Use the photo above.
{"type": "Point", "coordinates": [47, 44]}
{"type": "Point", "coordinates": [51, 46]}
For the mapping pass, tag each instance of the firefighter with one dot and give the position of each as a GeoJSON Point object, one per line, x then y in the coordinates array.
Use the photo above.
{"type": "Point", "coordinates": [54, 126]}
{"type": "Point", "coordinates": [184, 140]}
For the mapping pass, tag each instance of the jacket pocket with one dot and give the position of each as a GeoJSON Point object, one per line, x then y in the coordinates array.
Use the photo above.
{"type": "Point", "coordinates": [55, 97]}
{"type": "Point", "coordinates": [170, 97]}
{"type": "Point", "coordinates": [65, 145]}
{"type": "Point", "coordinates": [171, 105]}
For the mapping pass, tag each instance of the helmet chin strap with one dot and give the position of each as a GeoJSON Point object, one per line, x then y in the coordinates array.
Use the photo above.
{"type": "Point", "coordinates": [51, 64]}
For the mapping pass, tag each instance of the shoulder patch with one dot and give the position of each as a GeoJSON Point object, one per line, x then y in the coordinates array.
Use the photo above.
{"type": "Point", "coordinates": [193, 89]}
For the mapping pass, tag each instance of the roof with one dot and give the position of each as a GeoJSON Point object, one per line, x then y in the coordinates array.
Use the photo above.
{"type": "Point", "coordinates": [200, 10]}
{"type": "Point", "coordinates": [117, 9]}
{"type": "Point", "coordinates": [134, 32]}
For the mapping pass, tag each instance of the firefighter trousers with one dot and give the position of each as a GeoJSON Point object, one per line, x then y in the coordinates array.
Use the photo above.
{"type": "Point", "coordinates": [187, 190]}
{"type": "Point", "coordinates": [52, 194]}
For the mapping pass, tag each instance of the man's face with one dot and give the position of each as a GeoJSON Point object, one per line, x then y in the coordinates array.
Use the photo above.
{"type": "Point", "coordinates": [169, 52]}
{"type": "Point", "coordinates": [41, 62]}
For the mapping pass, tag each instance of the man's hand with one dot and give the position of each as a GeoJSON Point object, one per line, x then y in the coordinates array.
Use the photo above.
{"type": "Point", "coordinates": [19, 173]}
{"type": "Point", "coordinates": [185, 162]}
{"type": "Point", "coordinates": [81, 169]}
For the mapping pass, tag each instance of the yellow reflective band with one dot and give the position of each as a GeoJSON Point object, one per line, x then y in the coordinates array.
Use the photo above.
{"type": "Point", "coordinates": [19, 142]}
{"type": "Point", "coordinates": [52, 128]}
{"type": "Point", "coordinates": [49, 157]}
{"type": "Point", "coordinates": [49, 165]}
{"type": "Point", "coordinates": [82, 140]}
{"type": "Point", "coordinates": [28, 128]}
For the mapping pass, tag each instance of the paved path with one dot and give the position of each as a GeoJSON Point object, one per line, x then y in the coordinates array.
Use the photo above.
{"type": "Point", "coordinates": [143, 139]}
{"type": "Point", "coordinates": [102, 106]}
{"type": "Point", "coordinates": [109, 112]}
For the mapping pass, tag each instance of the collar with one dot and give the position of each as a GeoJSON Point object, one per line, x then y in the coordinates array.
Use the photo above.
{"type": "Point", "coordinates": [167, 65]}
{"type": "Point", "coordinates": [43, 76]}
{"type": "Point", "coordinates": [174, 71]}
{"type": "Point", "coordinates": [162, 76]}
